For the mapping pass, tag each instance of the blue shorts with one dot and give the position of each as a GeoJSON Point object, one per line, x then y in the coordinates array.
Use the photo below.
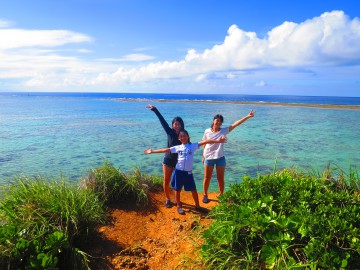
{"type": "Point", "coordinates": [218, 162]}
{"type": "Point", "coordinates": [169, 161]}
{"type": "Point", "coordinates": [182, 179]}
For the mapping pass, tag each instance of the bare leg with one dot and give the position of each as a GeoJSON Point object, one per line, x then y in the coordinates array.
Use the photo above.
{"type": "Point", "coordinates": [167, 177]}
{"type": "Point", "coordinates": [208, 170]}
{"type": "Point", "coordinates": [195, 197]}
{"type": "Point", "coordinates": [177, 195]}
{"type": "Point", "coordinates": [220, 174]}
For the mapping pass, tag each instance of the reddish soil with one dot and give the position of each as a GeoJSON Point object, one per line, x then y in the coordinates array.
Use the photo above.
{"type": "Point", "coordinates": [151, 237]}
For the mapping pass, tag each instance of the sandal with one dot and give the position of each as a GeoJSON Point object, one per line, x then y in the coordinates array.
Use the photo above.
{"type": "Point", "coordinates": [180, 211]}
{"type": "Point", "coordinates": [205, 199]}
{"type": "Point", "coordinates": [168, 204]}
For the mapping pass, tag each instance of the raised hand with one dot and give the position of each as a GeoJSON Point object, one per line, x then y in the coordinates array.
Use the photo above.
{"type": "Point", "coordinates": [149, 106]}
{"type": "Point", "coordinates": [251, 113]}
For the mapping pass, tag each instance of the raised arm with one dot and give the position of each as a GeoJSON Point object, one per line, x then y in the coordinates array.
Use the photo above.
{"type": "Point", "coordinates": [164, 124]}
{"type": "Point", "coordinates": [156, 151]}
{"type": "Point", "coordinates": [242, 120]}
{"type": "Point", "coordinates": [222, 139]}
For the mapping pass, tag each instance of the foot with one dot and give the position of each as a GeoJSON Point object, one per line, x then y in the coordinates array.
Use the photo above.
{"type": "Point", "coordinates": [202, 210]}
{"type": "Point", "coordinates": [168, 204]}
{"type": "Point", "coordinates": [205, 199]}
{"type": "Point", "coordinates": [180, 211]}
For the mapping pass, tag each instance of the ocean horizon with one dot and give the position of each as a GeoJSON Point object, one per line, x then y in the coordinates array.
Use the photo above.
{"type": "Point", "coordinates": [68, 134]}
{"type": "Point", "coordinates": [291, 99]}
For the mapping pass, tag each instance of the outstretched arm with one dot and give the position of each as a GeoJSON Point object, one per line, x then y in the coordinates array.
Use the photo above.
{"type": "Point", "coordinates": [156, 151]}
{"type": "Point", "coordinates": [164, 124]}
{"type": "Point", "coordinates": [242, 120]}
{"type": "Point", "coordinates": [222, 139]}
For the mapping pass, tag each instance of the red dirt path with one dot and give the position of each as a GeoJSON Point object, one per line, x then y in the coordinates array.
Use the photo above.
{"type": "Point", "coordinates": [150, 237]}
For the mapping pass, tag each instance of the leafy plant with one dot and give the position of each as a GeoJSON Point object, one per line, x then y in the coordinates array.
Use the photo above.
{"type": "Point", "coordinates": [288, 219]}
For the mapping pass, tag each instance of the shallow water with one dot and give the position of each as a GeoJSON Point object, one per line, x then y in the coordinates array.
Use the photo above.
{"type": "Point", "coordinates": [69, 135]}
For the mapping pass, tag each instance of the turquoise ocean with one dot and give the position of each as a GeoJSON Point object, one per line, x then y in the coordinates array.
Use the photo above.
{"type": "Point", "coordinates": [68, 134]}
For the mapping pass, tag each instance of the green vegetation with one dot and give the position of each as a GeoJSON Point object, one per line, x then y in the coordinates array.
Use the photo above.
{"type": "Point", "coordinates": [43, 221]}
{"type": "Point", "coordinates": [287, 220]}
{"type": "Point", "coordinates": [111, 185]}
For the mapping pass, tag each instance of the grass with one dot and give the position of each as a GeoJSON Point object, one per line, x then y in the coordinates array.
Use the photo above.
{"type": "Point", "coordinates": [288, 219]}
{"type": "Point", "coordinates": [43, 221]}
{"type": "Point", "coordinates": [111, 185]}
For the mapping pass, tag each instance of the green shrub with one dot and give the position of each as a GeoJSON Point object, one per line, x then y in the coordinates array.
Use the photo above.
{"type": "Point", "coordinates": [42, 221]}
{"type": "Point", "coordinates": [111, 185]}
{"type": "Point", "coordinates": [286, 220]}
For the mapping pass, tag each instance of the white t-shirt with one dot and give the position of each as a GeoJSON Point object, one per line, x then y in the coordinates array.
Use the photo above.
{"type": "Point", "coordinates": [185, 155]}
{"type": "Point", "coordinates": [214, 150]}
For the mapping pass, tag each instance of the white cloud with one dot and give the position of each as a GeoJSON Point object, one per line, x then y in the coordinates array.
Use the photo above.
{"type": "Point", "coordinates": [83, 51]}
{"type": "Point", "coordinates": [136, 57]}
{"type": "Point", "coordinates": [231, 75]}
{"type": "Point", "coordinates": [331, 39]}
{"type": "Point", "coordinates": [35, 56]}
{"type": "Point", "coordinates": [201, 77]}
{"type": "Point", "coordinates": [260, 84]}
{"type": "Point", "coordinates": [5, 23]}
{"type": "Point", "coordinates": [19, 38]}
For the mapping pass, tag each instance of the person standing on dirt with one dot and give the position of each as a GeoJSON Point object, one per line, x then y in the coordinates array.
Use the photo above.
{"type": "Point", "coordinates": [170, 159]}
{"type": "Point", "coordinates": [213, 154]}
{"type": "Point", "coordinates": [183, 176]}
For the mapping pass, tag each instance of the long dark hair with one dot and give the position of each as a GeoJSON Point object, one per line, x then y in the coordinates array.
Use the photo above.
{"type": "Point", "coordinates": [179, 119]}
{"type": "Point", "coordinates": [218, 116]}
{"type": "Point", "coordinates": [187, 133]}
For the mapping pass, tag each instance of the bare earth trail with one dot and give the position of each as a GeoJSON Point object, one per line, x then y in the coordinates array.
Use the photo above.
{"type": "Point", "coordinates": [150, 237]}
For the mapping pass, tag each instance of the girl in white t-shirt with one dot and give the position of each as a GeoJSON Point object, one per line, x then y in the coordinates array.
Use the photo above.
{"type": "Point", "coordinates": [213, 154]}
{"type": "Point", "coordinates": [182, 176]}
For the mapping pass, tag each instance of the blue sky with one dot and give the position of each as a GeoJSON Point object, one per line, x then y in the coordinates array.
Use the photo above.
{"type": "Point", "coordinates": [180, 46]}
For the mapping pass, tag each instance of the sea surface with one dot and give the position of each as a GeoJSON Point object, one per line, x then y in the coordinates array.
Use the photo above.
{"type": "Point", "coordinates": [68, 134]}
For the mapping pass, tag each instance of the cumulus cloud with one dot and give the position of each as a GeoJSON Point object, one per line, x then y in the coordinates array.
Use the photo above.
{"type": "Point", "coordinates": [330, 39]}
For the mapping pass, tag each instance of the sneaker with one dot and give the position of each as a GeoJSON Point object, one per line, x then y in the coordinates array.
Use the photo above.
{"type": "Point", "coordinates": [202, 210]}
{"type": "Point", "coordinates": [180, 211]}
{"type": "Point", "coordinates": [205, 199]}
{"type": "Point", "coordinates": [168, 204]}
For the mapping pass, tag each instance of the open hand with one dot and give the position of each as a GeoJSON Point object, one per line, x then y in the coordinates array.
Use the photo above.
{"type": "Point", "coordinates": [148, 151]}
